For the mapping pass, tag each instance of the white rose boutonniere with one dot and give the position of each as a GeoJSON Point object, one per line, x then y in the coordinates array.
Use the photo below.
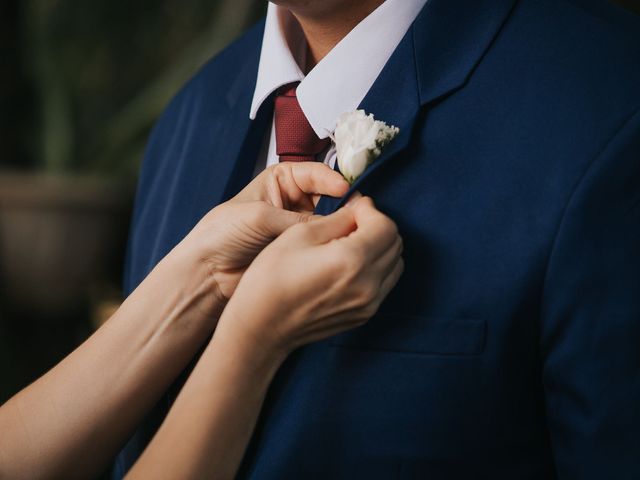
{"type": "Point", "coordinates": [359, 140]}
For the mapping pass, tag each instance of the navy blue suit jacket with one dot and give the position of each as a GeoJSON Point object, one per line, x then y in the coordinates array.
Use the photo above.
{"type": "Point", "coordinates": [511, 346]}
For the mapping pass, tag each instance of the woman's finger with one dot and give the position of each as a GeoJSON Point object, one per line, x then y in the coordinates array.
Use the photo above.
{"type": "Point", "coordinates": [353, 199]}
{"type": "Point", "coordinates": [273, 221]}
{"type": "Point", "coordinates": [385, 262]}
{"type": "Point", "coordinates": [337, 225]}
{"type": "Point", "coordinates": [294, 185]}
{"type": "Point", "coordinates": [376, 232]}
{"type": "Point", "coordinates": [391, 279]}
{"type": "Point", "coordinates": [315, 178]}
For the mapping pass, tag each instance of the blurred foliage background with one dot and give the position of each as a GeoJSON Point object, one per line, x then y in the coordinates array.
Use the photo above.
{"type": "Point", "coordinates": [83, 81]}
{"type": "Point", "coordinates": [81, 84]}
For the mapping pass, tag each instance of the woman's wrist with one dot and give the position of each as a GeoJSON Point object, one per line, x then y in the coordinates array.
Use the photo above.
{"type": "Point", "coordinates": [242, 328]}
{"type": "Point", "coordinates": [180, 291]}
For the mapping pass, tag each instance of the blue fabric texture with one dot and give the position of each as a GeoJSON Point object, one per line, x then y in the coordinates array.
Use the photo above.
{"type": "Point", "coordinates": [511, 346]}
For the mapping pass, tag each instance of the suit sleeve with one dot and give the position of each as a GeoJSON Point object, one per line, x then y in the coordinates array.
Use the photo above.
{"type": "Point", "coordinates": [590, 319]}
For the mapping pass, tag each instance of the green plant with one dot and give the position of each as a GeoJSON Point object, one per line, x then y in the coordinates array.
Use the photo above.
{"type": "Point", "coordinates": [104, 70]}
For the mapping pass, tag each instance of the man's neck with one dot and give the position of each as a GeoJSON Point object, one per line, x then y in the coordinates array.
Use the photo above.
{"type": "Point", "coordinates": [325, 23]}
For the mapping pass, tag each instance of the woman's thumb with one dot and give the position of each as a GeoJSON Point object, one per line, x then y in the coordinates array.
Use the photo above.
{"type": "Point", "coordinates": [339, 224]}
{"type": "Point", "coordinates": [276, 220]}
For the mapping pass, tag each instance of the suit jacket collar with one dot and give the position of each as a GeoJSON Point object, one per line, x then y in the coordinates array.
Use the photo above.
{"type": "Point", "coordinates": [242, 137]}
{"type": "Point", "coordinates": [340, 81]}
{"type": "Point", "coordinates": [450, 38]}
{"type": "Point", "coordinates": [436, 57]}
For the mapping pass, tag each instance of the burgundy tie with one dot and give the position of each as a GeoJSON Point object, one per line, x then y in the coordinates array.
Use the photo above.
{"type": "Point", "coordinates": [296, 140]}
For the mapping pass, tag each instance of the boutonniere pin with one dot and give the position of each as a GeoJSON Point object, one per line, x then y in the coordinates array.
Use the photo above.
{"type": "Point", "coordinates": [359, 140]}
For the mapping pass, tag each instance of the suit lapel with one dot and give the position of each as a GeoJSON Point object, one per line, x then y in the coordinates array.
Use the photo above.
{"type": "Point", "coordinates": [394, 99]}
{"type": "Point", "coordinates": [243, 145]}
{"type": "Point", "coordinates": [451, 37]}
{"type": "Point", "coordinates": [241, 138]}
{"type": "Point", "coordinates": [435, 58]}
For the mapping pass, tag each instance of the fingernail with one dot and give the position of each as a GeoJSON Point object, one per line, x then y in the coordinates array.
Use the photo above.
{"type": "Point", "coordinates": [353, 199]}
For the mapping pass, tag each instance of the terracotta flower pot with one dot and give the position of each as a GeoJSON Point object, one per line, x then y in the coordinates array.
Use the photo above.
{"type": "Point", "coordinates": [60, 236]}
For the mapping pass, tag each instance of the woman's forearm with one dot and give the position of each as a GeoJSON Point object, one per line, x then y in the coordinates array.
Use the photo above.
{"type": "Point", "coordinates": [71, 422]}
{"type": "Point", "coordinates": [211, 422]}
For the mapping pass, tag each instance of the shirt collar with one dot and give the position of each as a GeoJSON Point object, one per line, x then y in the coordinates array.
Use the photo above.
{"type": "Point", "coordinates": [341, 80]}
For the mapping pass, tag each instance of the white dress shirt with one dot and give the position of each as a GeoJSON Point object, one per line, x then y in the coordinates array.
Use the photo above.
{"type": "Point", "coordinates": [341, 80]}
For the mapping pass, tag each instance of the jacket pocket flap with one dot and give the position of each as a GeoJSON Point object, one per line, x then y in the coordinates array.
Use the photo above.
{"type": "Point", "coordinates": [417, 334]}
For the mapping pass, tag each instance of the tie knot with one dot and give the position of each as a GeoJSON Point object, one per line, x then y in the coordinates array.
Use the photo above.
{"type": "Point", "coordinates": [296, 141]}
{"type": "Point", "coordinates": [288, 90]}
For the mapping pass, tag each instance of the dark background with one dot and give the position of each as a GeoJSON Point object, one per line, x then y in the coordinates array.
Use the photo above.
{"type": "Point", "coordinates": [81, 83]}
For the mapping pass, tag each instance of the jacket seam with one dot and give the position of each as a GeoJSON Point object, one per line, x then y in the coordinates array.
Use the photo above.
{"type": "Point", "coordinates": [576, 187]}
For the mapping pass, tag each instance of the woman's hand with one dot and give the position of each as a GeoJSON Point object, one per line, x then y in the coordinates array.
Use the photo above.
{"type": "Point", "coordinates": [318, 279]}
{"type": "Point", "coordinates": [71, 431]}
{"type": "Point", "coordinates": [229, 237]}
